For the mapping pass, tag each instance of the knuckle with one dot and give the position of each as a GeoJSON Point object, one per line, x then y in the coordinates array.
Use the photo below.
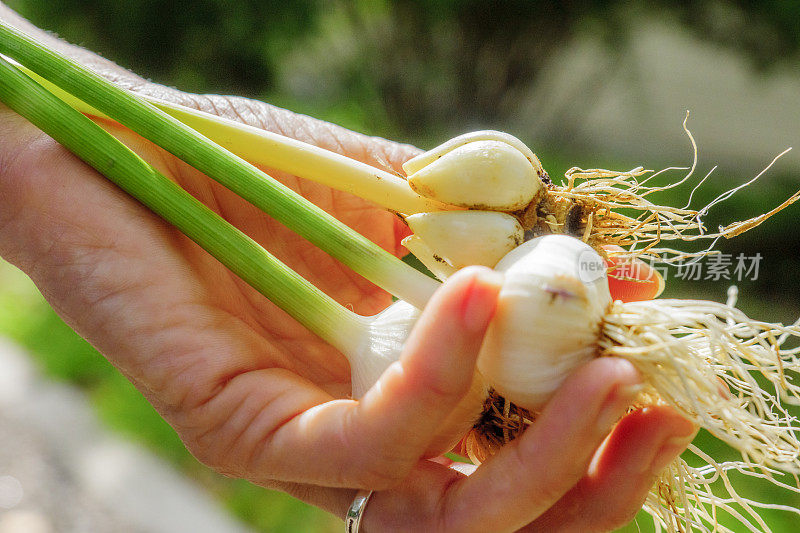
{"type": "Point", "coordinates": [382, 461]}
{"type": "Point", "coordinates": [201, 449]}
{"type": "Point", "coordinates": [377, 480]}
{"type": "Point", "coordinates": [209, 452]}
{"type": "Point", "coordinates": [619, 517]}
{"type": "Point", "coordinates": [211, 445]}
{"type": "Point", "coordinates": [549, 492]}
{"type": "Point", "coordinates": [442, 388]}
{"type": "Point", "coordinates": [383, 471]}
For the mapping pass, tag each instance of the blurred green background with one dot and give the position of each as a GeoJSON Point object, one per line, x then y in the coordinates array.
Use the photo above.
{"type": "Point", "coordinates": [591, 84]}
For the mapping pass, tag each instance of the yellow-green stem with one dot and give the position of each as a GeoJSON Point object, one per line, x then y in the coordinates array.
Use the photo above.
{"type": "Point", "coordinates": [275, 151]}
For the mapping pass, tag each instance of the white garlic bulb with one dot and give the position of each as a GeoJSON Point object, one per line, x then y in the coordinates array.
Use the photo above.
{"type": "Point", "coordinates": [480, 175]}
{"type": "Point", "coordinates": [548, 318]}
{"type": "Point", "coordinates": [464, 238]}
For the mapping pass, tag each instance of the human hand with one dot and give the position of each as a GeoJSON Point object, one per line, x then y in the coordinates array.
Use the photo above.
{"type": "Point", "coordinates": [251, 392]}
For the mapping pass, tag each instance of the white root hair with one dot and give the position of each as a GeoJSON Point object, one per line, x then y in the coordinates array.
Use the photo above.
{"type": "Point", "coordinates": [731, 375]}
{"type": "Point", "coordinates": [605, 195]}
{"type": "Point", "coordinates": [687, 498]}
{"type": "Point", "coordinates": [712, 363]}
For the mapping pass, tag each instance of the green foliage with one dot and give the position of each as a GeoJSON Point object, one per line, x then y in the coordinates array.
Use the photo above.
{"type": "Point", "coordinates": [231, 46]}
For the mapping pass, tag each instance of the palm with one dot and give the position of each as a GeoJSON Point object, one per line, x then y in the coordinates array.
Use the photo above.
{"type": "Point", "coordinates": [297, 349]}
{"type": "Point", "coordinates": [290, 345]}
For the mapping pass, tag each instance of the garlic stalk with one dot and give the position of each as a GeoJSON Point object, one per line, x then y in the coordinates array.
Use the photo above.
{"type": "Point", "coordinates": [370, 343]}
{"type": "Point", "coordinates": [275, 151]}
{"type": "Point", "coordinates": [102, 98]}
{"type": "Point", "coordinates": [280, 202]}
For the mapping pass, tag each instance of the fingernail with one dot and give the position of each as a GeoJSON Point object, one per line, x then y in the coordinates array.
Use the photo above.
{"type": "Point", "coordinates": [481, 300]}
{"type": "Point", "coordinates": [669, 451]}
{"type": "Point", "coordinates": [617, 404]}
{"type": "Point", "coordinates": [661, 284]}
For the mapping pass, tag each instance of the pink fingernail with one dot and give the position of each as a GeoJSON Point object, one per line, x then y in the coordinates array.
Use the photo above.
{"type": "Point", "coordinates": [481, 301]}
{"type": "Point", "coordinates": [616, 403]}
{"type": "Point", "coordinates": [669, 451]}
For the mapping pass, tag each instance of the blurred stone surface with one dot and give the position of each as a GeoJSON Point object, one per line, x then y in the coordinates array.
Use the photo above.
{"type": "Point", "coordinates": [632, 106]}
{"type": "Point", "coordinates": [61, 472]}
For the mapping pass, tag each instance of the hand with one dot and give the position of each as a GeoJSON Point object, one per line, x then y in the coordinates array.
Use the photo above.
{"type": "Point", "coordinates": [253, 394]}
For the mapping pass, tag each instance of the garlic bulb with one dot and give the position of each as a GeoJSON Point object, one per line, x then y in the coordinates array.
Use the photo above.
{"type": "Point", "coordinates": [548, 318]}
{"type": "Point", "coordinates": [480, 175]}
{"type": "Point", "coordinates": [465, 238]}
{"type": "Point", "coordinates": [489, 172]}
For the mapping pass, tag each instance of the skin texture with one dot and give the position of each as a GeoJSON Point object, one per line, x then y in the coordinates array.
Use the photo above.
{"type": "Point", "coordinates": [252, 394]}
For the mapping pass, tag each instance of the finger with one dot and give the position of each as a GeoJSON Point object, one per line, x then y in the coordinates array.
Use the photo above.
{"type": "Point", "coordinates": [375, 442]}
{"type": "Point", "coordinates": [533, 472]}
{"type": "Point", "coordinates": [413, 505]}
{"type": "Point", "coordinates": [622, 472]}
{"type": "Point", "coordinates": [438, 365]}
{"type": "Point", "coordinates": [618, 480]}
{"type": "Point", "coordinates": [632, 280]}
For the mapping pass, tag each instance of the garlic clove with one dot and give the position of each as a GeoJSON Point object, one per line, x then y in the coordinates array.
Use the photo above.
{"type": "Point", "coordinates": [414, 164]}
{"type": "Point", "coordinates": [465, 238]}
{"type": "Point", "coordinates": [480, 175]}
{"type": "Point", "coordinates": [548, 318]}
{"type": "Point", "coordinates": [432, 261]}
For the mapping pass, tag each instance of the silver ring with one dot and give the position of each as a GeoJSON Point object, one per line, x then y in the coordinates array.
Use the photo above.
{"type": "Point", "coordinates": [352, 520]}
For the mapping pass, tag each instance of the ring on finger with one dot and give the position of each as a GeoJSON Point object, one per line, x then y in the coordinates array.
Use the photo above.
{"type": "Point", "coordinates": [352, 520]}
